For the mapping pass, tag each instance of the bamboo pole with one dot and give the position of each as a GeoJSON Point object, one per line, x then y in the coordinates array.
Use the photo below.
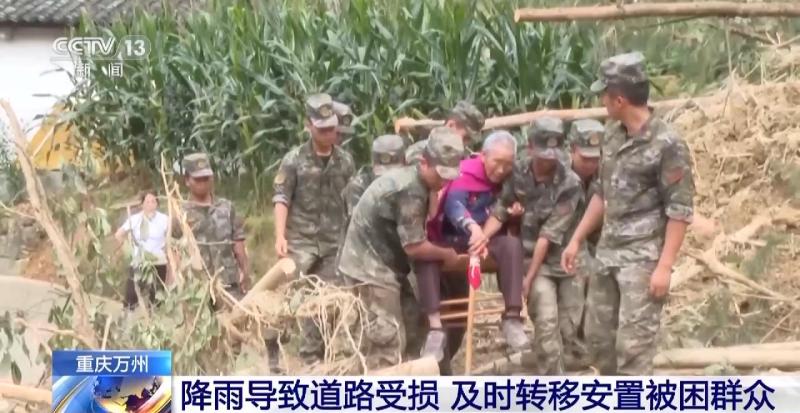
{"type": "Point", "coordinates": [521, 119]}
{"type": "Point", "coordinates": [680, 9]}
{"type": "Point", "coordinates": [470, 328]}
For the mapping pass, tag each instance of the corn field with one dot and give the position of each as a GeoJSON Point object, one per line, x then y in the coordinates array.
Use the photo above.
{"type": "Point", "coordinates": [231, 79]}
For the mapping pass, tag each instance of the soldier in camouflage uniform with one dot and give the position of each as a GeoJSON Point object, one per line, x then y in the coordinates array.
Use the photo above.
{"type": "Point", "coordinates": [584, 139]}
{"type": "Point", "coordinates": [464, 119]}
{"type": "Point", "coordinates": [346, 117]}
{"type": "Point", "coordinates": [644, 202]}
{"type": "Point", "coordinates": [549, 191]}
{"type": "Point", "coordinates": [309, 209]}
{"type": "Point", "coordinates": [216, 227]}
{"type": "Point", "coordinates": [387, 153]}
{"type": "Point", "coordinates": [386, 231]}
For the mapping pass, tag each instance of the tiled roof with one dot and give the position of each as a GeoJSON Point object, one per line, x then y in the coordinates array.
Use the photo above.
{"type": "Point", "coordinates": [67, 12]}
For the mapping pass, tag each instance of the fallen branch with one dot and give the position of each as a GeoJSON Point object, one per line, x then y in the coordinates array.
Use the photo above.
{"type": "Point", "coordinates": [52, 330]}
{"type": "Point", "coordinates": [685, 9]}
{"type": "Point", "coordinates": [28, 394]}
{"type": "Point", "coordinates": [278, 274]}
{"type": "Point", "coordinates": [38, 202]}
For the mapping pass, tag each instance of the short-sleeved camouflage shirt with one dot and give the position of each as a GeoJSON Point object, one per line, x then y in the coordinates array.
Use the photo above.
{"type": "Point", "coordinates": [312, 189]}
{"type": "Point", "coordinates": [550, 207]}
{"type": "Point", "coordinates": [216, 227]}
{"type": "Point", "coordinates": [645, 179]}
{"type": "Point", "coordinates": [390, 215]}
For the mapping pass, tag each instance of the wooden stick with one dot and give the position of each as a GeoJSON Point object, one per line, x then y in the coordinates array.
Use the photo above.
{"type": "Point", "coordinates": [38, 200]}
{"type": "Point", "coordinates": [521, 119]}
{"type": "Point", "coordinates": [470, 328]}
{"type": "Point", "coordinates": [463, 314]}
{"type": "Point", "coordinates": [740, 358]}
{"type": "Point", "coordinates": [683, 9]}
{"type": "Point", "coordinates": [426, 366]}
{"type": "Point", "coordinates": [465, 300]}
{"type": "Point", "coordinates": [28, 394]}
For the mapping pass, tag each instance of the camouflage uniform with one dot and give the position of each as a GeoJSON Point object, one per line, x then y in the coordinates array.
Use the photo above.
{"type": "Point", "coordinates": [311, 186]}
{"type": "Point", "coordinates": [346, 117]}
{"type": "Point", "coordinates": [312, 189]}
{"type": "Point", "coordinates": [387, 153]}
{"type": "Point", "coordinates": [215, 227]}
{"type": "Point", "coordinates": [555, 300]}
{"type": "Point", "coordinates": [466, 114]}
{"type": "Point", "coordinates": [586, 135]}
{"type": "Point", "coordinates": [391, 215]}
{"type": "Point", "coordinates": [645, 179]}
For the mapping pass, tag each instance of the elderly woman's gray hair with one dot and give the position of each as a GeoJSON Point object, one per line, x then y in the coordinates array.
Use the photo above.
{"type": "Point", "coordinates": [499, 138]}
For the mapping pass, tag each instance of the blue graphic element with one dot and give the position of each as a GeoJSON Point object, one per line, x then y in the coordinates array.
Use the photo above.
{"type": "Point", "coordinates": [143, 363]}
{"type": "Point", "coordinates": [142, 382]}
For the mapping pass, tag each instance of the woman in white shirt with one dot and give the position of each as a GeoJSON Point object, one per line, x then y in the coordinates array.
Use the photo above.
{"type": "Point", "coordinates": [147, 233]}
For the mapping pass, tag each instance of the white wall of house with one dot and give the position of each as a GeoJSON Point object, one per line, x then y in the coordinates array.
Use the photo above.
{"type": "Point", "coordinates": [25, 59]}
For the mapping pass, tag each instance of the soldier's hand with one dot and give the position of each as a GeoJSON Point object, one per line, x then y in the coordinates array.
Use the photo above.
{"type": "Point", "coordinates": [244, 282]}
{"type": "Point", "coordinates": [568, 257]}
{"type": "Point", "coordinates": [527, 283]}
{"type": "Point", "coordinates": [659, 282]}
{"type": "Point", "coordinates": [516, 210]}
{"type": "Point", "coordinates": [281, 247]}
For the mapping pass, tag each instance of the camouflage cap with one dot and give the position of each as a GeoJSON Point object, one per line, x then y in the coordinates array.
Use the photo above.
{"type": "Point", "coordinates": [387, 153]}
{"type": "Point", "coordinates": [345, 115]}
{"type": "Point", "coordinates": [197, 165]}
{"type": "Point", "coordinates": [470, 117]}
{"type": "Point", "coordinates": [319, 108]}
{"type": "Point", "coordinates": [546, 136]}
{"type": "Point", "coordinates": [445, 149]}
{"type": "Point", "coordinates": [622, 69]}
{"type": "Point", "coordinates": [414, 152]}
{"type": "Point", "coordinates": [587, 136]}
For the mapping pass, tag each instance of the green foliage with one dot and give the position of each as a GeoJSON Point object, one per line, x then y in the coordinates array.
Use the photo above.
{"type": "Point", "coordinates": [231, 80]}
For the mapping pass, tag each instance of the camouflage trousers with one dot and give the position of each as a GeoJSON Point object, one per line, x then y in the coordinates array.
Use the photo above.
{"type": "Point", "coordinates": [414, 318]}
{"type": "Point", "coordinates": [555, 304]}
{"type": "Point", "coordinates": [312, 346]}
{"type": "Point", "coordinates": [622, 320]}
{"type": "Point", "coordinates": [382, 329]}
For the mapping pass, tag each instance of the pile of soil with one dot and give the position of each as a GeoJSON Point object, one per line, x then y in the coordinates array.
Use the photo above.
{"type": "Point", "coordinates": [745, 145]}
